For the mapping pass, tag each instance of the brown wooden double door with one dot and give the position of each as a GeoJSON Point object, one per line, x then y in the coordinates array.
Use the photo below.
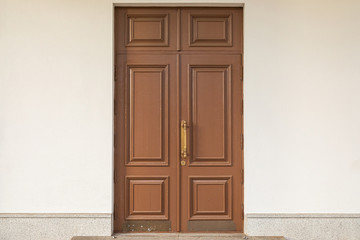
{"type": "Point", "coordinates": [176, 64]}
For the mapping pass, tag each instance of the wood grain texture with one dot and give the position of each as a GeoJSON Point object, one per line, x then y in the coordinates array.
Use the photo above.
{"type": "Point", "coordinates": [210, 197]}
{"type": "Point", "coordinates": [145, 28]}
{"type": "Point", "coordinates": [149, 120]}
{"type": "Point", "coordinates": [147, 198]}
{"type": "Point", "coordinates": [176, 64]}
{"type": "Point", "coordinates": [145, 153]}
{"type": "Point", "coordinates": [215, 107]}
{"type": "Point", "coordinates": [212, 29]}
{"type": "Point", "coordinates": [210, 104]}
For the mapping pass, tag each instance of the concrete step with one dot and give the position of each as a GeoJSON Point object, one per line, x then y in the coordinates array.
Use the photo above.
{"type": "Point", "coordinates": [179, 236]}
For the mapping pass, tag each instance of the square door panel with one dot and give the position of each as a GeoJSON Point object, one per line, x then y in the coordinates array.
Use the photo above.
{"type": "Point", "coordinates": [210, 198]}
{"type": "Point", "coordinates": [146, 198]}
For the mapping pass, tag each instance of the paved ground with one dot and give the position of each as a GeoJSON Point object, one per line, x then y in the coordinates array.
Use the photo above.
{"type": "Point", "coordinates": [179, 236]}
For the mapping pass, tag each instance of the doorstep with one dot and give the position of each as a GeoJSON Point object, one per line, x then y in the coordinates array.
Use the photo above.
{"type": "Point", "coordinates": [179, 236]}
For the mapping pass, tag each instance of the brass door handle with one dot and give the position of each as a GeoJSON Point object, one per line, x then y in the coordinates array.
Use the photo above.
{"type": "Point", "coordinates": [184, 126]}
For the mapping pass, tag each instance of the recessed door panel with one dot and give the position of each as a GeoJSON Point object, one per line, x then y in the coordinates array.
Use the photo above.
{"type": "Point", "coordinates": [210, 197]}
{"type": "Point", "coordinates": [149, 120]}
{"type": "Point", "coordinates": [146, 198]}
{"type": "Point", "coordinates": [140, 29]}
{"type": "Point", "coordinates": [210, 104]}
{"type": "Point", "coordinates": [147, 30]}
{"type": "Point", "coordinates": [211, 29]}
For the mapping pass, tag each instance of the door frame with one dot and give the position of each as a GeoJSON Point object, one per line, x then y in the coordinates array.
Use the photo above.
{"type": "Point", "coordinates": [176, 3]}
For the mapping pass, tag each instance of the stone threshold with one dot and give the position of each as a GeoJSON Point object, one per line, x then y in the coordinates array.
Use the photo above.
{"type": "Point", "coordinates": [179, 236]}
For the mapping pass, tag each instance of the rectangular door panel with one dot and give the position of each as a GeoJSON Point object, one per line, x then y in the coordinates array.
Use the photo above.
{"type": "Point", "coordinates": [147, 198]}
{"type": "Point", "coordinates": [210, 197]}
{"type": "Point", "coordinates": [149, 120]}
{"type": "Point", "coordinates": [210, 104]}
{"type": "Point", "coordinates": [211, 29]}
{"type": "Point", "coordinates": [145, 29]}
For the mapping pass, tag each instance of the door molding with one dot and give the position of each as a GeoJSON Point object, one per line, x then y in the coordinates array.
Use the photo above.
{"type": "Point", "coordinates": [178, 3]}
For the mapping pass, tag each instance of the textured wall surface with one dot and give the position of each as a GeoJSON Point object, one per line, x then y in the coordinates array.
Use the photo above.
{"type": "Point", "coordinates": [305, 226]}
{"type": "Point", "coordinates": [53, 226]}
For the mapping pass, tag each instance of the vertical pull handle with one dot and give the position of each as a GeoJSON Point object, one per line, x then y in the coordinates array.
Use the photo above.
{"type": "Point", "coordinates": [184, 126]}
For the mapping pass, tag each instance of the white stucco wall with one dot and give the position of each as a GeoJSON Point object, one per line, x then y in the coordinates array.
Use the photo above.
{"type": "Point", "coordinates": [302, 106]}
{"type": "Point", "coordinates": [55, 106]}
{"type": "Point", "coordinates": [302, 101]}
